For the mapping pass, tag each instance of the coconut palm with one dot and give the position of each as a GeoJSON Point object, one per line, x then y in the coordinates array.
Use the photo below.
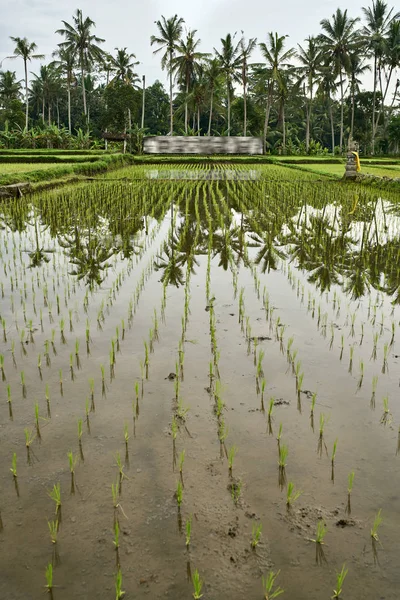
{"type": "Point", "coordinates": [187, 64]}
{"type": "Point", "coordinates": [230, 60]}
{"type": "Point", "coordinates": [246, 48]}
{"type": "Point", "coordinates": [123, 66]}
{"type": "Point", "coordinates": [378, 19]}
{"type": "Point", "coordinates": [277, 59]}
{"type": "Point", "coordinates": [212, 76]}
{"type": "Point", "coordinates": [310, 58]}
{"type": "Point", "coordinates": [25, 50]}
{"type": "Point", "coordinates": [339, 39]}
{"type": "Point", "coordinates": [357, 68]}
{"type": "Point", "coordinates": [47, 84]}
{"type": "Point", "coordinates": [170, 31]}
{"type": "Point", "coordinates": [9, 87]}
{"type": "Point", "coordinates": [390, 61]}
{"type": "Point", "coordinates": [326, 89]}
{"type": "Point", "coordinates": [65, 61]}
{"type": "Point", "coordinates": [80, 40]}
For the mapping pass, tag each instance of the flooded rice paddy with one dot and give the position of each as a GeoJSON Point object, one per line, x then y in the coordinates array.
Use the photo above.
{"type": "Point", "coordinates": [179, 360]}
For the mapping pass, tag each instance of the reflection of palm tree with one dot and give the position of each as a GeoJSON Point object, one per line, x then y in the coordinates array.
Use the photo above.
{"type": "Point", "coordinates": [171, 265]}
{"type": "Point", "coordinates": [38, 255]}
{"type": "Point", "coordinates": [88, 255]}
{"type": "Point", "coordinates": [265, 238]}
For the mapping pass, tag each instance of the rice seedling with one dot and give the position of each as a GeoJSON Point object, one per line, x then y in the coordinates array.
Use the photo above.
{"type": "Point", "coordinates": [197, 585]}
{"type": "Point", "coordinates": [375, 526]}
{"type": "Point", "coordinates": [270, 409]}
{"type": "Point", "coordinates": [188, 530]}
{"type": "Point", "coordinates": [270, 589]}
{"type": "Point", "coordinates": [263, 384]}
{"type": "Point", "coordinates": [236, 490]}
{"type": "Point", "coordinates": [291, 494]}
{"type": "Point", "coordinates": [283, 454]}
{"type": "Point", "coordinates": [313, 399]}
{"type": "Point", "coordinates": [3, 375]}
{"type": "Point", "coordinates": [119, 592]}
{"type": "Point", "coordinates": [77, 359]}
{"type": "Point", "coordinates": [53, 530]}
{"type": "Point", "coordinates": [36, 408]}
{"type": "Point", "coordinates": [374, 386]}
{"type": "Point", "coordinates": [319, 542]}
{"type": "Point", "coordinates": [340, 577]}
{"type": "Point", "coordinates": [121, 475]}
{"type": "Point", "coordinates": [321, 442]}
{"type": "Point", "coordinates": [9, 402]}
{"type": "Point", "coordinates": [360, 380]}
{"type": "Point", "coordinates": [55, 495]}
{"type": "Point", "coordinates": [49, 580]}
{"type": "Point", "coordinates": [260, 371]}
{"type": "Point", "coordinates": [179, 493]}
{"type": "Point", "coordinates": [255, 535]}
{"type": "Point", "coordinates": [181, 411]}
{"type": "Point", "coordinates": [231, 455]}
{"type": "Point", "coordinates": [23, 384]}
{"type": "Point", "coordinates": [181, 462]}
{"type": "Point", "coordinates": [72, 460]}
{"type": "Point", "coordinates": [351, 359]}
{"type": "Point", "coordinates": [386, 417]}
{"type": "Point", "coordinates": [385, 357]}
{"type": "Point", "coordinates": [80, 433]}
{"type": "Point", "coordinates": [350, 479]}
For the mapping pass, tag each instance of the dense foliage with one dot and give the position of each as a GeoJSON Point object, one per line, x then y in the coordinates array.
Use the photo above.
{"type": "Point", "coordinates": [305, 100]}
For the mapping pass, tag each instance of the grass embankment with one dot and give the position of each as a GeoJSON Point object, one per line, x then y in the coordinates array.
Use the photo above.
{"type": "Point", "coordinates": [23, 173]}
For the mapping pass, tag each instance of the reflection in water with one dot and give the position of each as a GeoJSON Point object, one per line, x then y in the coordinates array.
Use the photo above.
{"type": "Point", "coordinates": [352, 242]}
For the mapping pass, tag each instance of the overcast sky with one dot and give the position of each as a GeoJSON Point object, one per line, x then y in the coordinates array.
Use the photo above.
{"type": "Point", "coordinates": [130, 23]}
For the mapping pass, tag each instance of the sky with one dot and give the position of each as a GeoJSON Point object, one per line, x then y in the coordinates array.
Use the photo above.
{"type": "Point", "coordinates": [131, 23]}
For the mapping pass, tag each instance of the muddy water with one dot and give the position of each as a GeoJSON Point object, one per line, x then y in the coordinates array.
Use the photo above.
{"type": "Point", "coordinates": [153, 558]}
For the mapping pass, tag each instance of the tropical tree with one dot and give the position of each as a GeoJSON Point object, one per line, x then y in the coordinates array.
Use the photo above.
{"type": "Point", "coordinates": [277, 59]}
{"type": "Point", "coordinates": [123, 65]}
{"type": "Point", "coordinates": [47, 84]}
{"type": "Point", "coordinates": [357, 68]}
{"type": "Point", "coordinates": [212, 76]}
{"type": "Point", "coordinates": [310, 59]}
{"type": "Point", "coordinates": [326, 89]}
{"type": "Point", "coordinates": [187, 64]}
{"type": "Point", "coordinates": [65, 61]}
{"type": "Point", "coordinates": [245, 51]}
{"type": "Point", "coordinates": [9, 88]}
{"type": "Point", "coordinates": [378, 19]}
{"type": "Point", "coordinates": [230, 60]}
{"type": "Point", "coordinates": [26, 51]}
{"type": "Point", "coordinates": [83, 44]}
{"type": "Point", "coordinates": [170, 31]}
{"type": "Point", "coordinates": [339, 40]}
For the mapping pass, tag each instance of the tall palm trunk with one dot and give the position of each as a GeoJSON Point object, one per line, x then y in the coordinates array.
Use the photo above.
{"type": "Point", "coordinates": [283, 129]}
{"type": "Point", "coordinates": [83, 88]}
{"type": "Point", "coordinates": [69, 103]}
{"type": "Point", "coordinates": [267, 111]}
{"type": "Point", "coordinates": [374, 108]}
{"type": "Point", "coordinates": [229, 105]}
{"type": "Point", "coordinates": [211, 112]}
{"type": "Point", "coordinates": [171, 126]}
{"type": "Point", "coordinates": [26, 94]}
{"type": "Point", "coordinates": [186, 104]}
{"type": "Point", "coordinates": [244, 109]}
{"type": "Point", "coordinates": [352, 112]}
{"type": "Point", "coordinates": [143, 98]}
{"type": "Point", "coordinates": [341, 112]}
{"type": "Point", "coordinates": [198, 119]}
{"type": "Point", "coordinates": [332, 125]}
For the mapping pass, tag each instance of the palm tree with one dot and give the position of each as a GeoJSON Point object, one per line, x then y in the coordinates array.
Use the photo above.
{"type": "Point", "coordinates": [338, 41]}
{"type": "Point", "coordinates": [230, 60]}
{"type": "Point", "coordinates": [378, 19]}
{"type": "Point", "coordinates": [66, 63]}
{"type": "Point", "coordinates": [170, 31]}
{"type": "Point", "coordinates": [123, 66]}
{"type": "Point", "coordinates": [326, 89]}
{"type": "Point", "coordinates": [187, 64]}
{"type": "Point", "coordinates": [212, 75]}
{"type": "Point", "coordinates": [357, 68]}
{"type": "Point", "coordinates": [25, 50]}
{"type": "Point", "coordinates": [47, 83]}
{"type": "Point", "coordinates": [390, 61]}
{"type": "Point", "coordinates": [9, 87]}
{"type": "Point", "coordinates": [310, 58]}
{"type": "Point", "coordinates": [276, 59]}
{"type": "Point", "coordinates": [245, 52]}
{"type": "Point", "coordinates": [83, 44]}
